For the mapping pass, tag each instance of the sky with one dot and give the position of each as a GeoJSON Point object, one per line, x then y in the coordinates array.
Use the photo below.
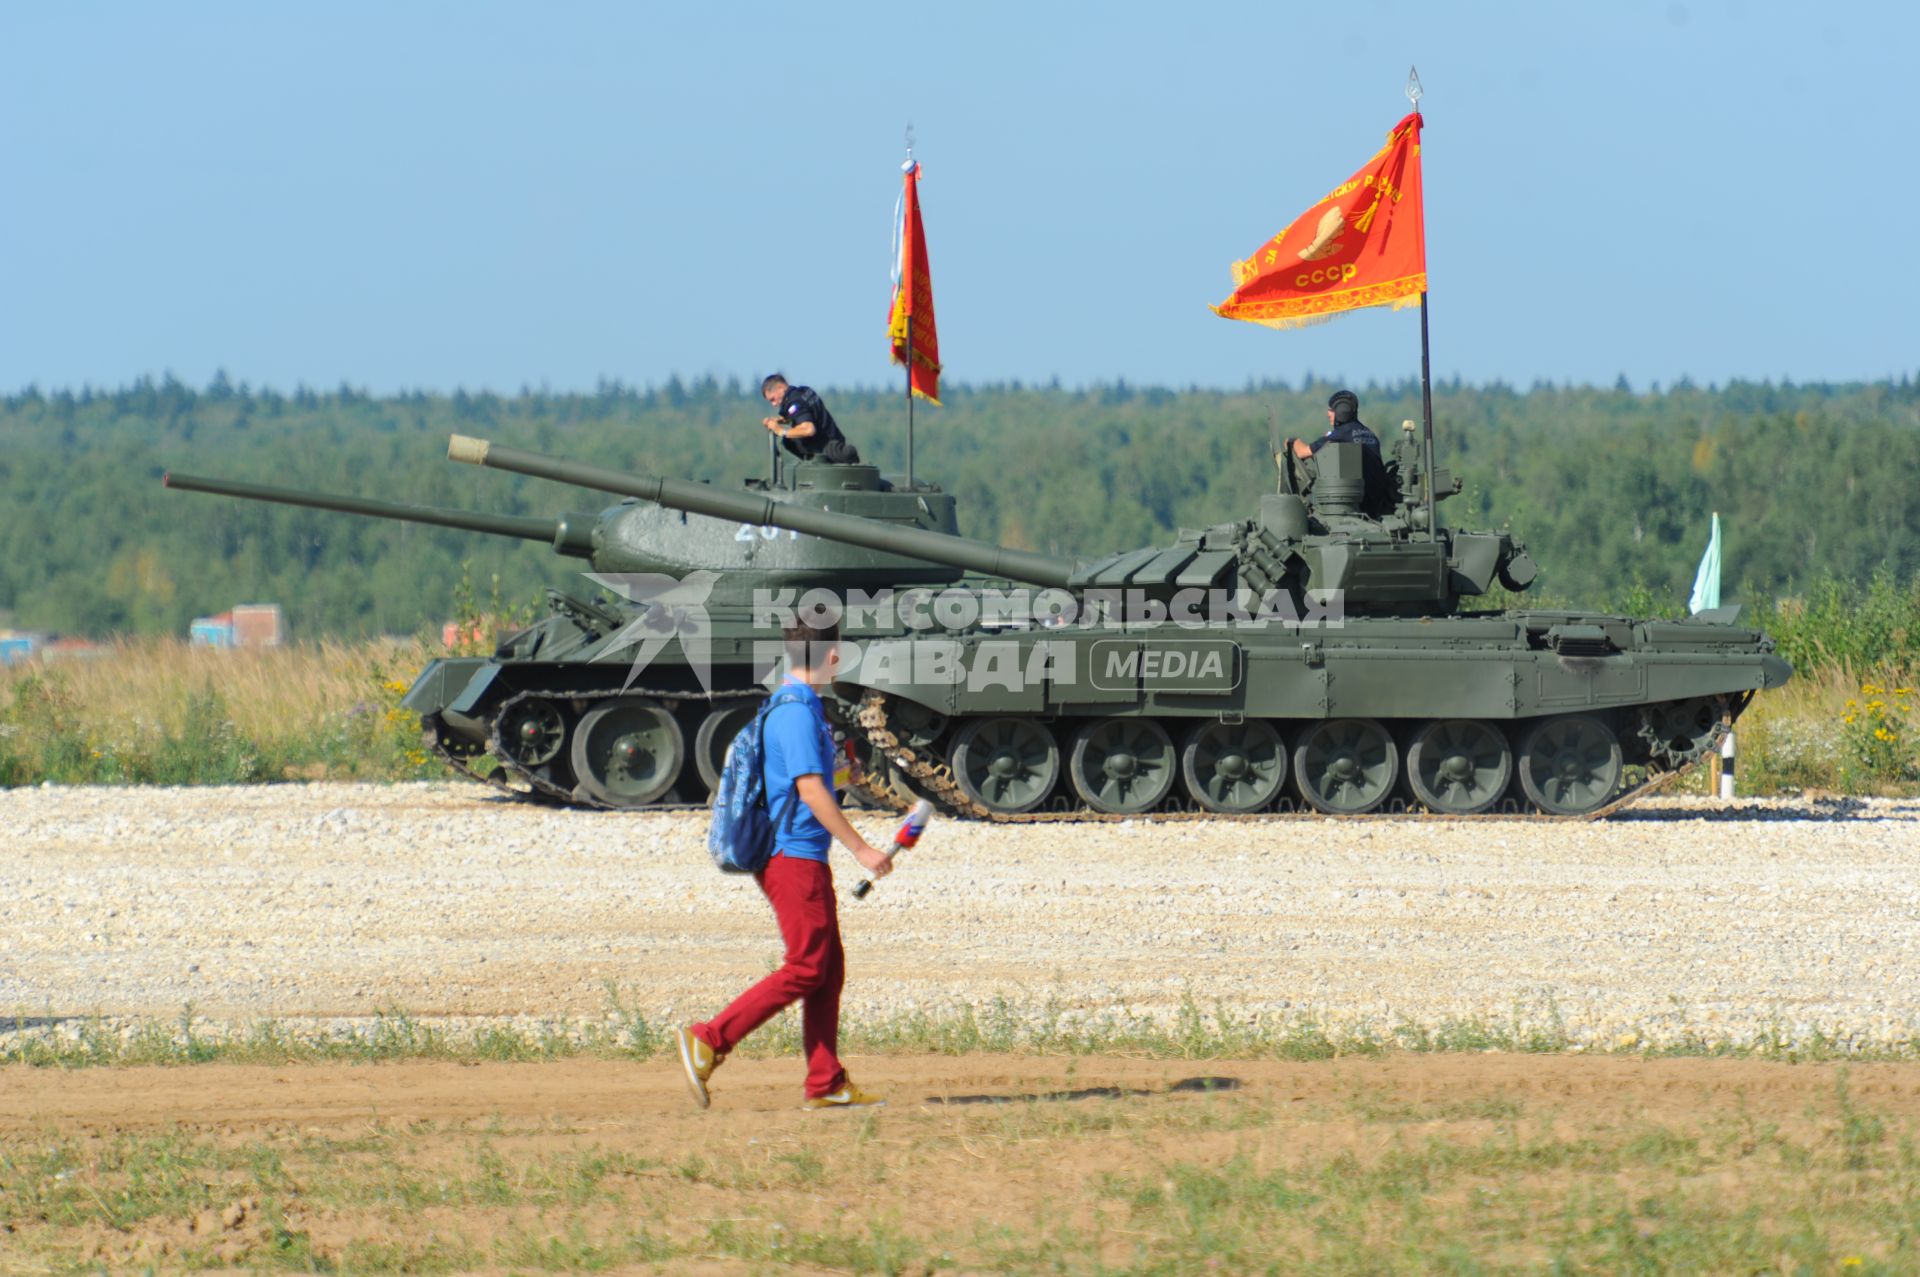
{"type": "Point", "coordinates": [494, 196]}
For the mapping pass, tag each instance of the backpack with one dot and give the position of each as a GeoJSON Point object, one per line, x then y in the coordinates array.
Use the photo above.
{"type": "Point", "coordinates": [740, 833]}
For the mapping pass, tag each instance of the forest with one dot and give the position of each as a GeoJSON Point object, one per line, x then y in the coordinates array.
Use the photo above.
{"type": "Point", "coordinates": [1611, 488]}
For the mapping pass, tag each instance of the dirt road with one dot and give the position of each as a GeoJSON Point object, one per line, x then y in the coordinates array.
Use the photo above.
{"type": "Point", "coordinates": [335, 901]}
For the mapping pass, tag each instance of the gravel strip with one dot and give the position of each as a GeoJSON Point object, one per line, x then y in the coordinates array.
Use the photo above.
{"type": "Point", "coordinates": [325, 904]}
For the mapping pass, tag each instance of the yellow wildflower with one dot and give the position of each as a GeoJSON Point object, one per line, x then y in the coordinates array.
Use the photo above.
{"type": "Point", "coordinates": [1871, 689]}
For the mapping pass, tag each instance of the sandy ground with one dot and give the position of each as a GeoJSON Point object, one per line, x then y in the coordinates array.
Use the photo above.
{"type": "Point", "coordinates": [337, 901]}
{"type": "Point", "coordinates": [761, 1097]}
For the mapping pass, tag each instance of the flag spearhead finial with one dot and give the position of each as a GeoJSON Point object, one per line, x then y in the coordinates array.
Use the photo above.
{"type": "Point", "coordinates": [1414, 91]}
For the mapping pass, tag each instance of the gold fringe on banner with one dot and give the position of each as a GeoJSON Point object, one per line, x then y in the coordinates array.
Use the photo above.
{"type": "Point", "coordinates": [1301, 312]}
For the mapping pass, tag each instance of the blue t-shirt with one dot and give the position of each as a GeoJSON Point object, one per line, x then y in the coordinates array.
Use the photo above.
{"type": "Point", "coordinates": [798, 741]}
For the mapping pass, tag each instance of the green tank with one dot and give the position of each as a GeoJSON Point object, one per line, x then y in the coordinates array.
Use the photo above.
{"type": "Point", "coordinates": [1333, 668]}
{"type": "Point", "coordinates": [561, 710]}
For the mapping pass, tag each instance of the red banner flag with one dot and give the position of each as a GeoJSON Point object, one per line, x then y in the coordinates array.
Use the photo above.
{"type": "Point", "coordinates": [912, 309]}
{"type": "Point", "coordinates": [1364, 244]}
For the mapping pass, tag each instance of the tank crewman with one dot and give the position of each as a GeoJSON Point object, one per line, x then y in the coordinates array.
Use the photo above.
{"type": "Point", "coordinates": [805, 427]}
{"type": "Point", "coordinates": [1343, 416]}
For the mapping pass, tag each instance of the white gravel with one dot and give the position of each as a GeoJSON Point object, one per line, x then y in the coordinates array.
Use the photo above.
{"type": "Point", "coordinates": [332, 902]}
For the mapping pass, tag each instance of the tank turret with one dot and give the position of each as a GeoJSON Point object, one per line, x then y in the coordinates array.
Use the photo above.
{"type": "Point", "coordinates": [806, 513]}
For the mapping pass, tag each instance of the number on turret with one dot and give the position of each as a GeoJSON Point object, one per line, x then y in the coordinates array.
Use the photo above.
{"type": "Point", "coordinates": [746, 530]}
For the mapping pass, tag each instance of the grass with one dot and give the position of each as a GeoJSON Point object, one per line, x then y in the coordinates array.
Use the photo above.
{"type": "Point", "coordinates": [159, 711]}
{"type": "Point", "coordinates": [1817, 734]}
{"type": "Point", "coordinates": [1239, 1182]}
{"type": "Point", "coordinates": [1001, 1026]}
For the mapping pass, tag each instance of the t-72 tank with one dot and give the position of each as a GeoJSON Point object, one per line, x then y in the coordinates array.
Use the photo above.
{"type": "Point", "coordinates": [631, 699]}
{"type": "Point", "coordinates": [1329, 660]}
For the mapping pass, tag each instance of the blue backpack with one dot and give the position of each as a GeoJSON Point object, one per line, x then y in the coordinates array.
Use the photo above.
{"type": "Point", "coordinates": [740, 835]}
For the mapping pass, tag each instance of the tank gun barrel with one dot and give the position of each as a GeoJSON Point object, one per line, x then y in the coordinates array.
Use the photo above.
{"type": "Point", "coordinates": [571, 535]}
{"type": "Point", "coordinates": [698, 498]}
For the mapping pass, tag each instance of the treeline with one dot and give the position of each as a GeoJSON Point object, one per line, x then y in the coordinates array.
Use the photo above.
{"type": "Point", "coordinates": [1610, 488]}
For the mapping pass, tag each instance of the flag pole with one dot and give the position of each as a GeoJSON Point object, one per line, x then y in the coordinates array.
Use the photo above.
{"type": "Point", "coordinates": [1426, 412]}
{"type": "Point", "coordinates": [906, 282]}
{"type": "Point", "coordinates": [1415, 91]}
{"type": "Point", "coordinates": [909, 400]}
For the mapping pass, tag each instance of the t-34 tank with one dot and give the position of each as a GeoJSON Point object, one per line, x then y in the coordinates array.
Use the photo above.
{"type": "Point", "coordinates": [1328, 659]}
{"type": "Point", "coordinates": [562, 707]}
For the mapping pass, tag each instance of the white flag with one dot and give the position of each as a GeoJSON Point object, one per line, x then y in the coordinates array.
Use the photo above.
{"type": "Point", "coordinates": [1706, 582]}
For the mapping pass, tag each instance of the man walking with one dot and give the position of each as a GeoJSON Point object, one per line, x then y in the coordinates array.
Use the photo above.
{"type": "Point", "coordinates": [799, 884]}
{"type": "Point", "coordinates": [803, 424]}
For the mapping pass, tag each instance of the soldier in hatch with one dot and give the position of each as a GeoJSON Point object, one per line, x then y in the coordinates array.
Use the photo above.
{"type": "Point", "coordinates": [1343, 416]}
{"type": "Point", "coordinates": [803, 424]}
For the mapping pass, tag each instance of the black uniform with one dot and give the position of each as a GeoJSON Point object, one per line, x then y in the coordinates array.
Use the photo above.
{"type": "Point", "coordinates": [1373, 470]}
{"type": "Point", "coordinates": [826, 443]}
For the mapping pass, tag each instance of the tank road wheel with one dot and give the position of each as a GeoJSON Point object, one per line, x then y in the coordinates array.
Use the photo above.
{"type": "Point", "coordinates": [1007, 765]}
{"type": "Point", "coordinates": [1346, 766]}
{"type": "Point", "coordinates": [1459, 767]}
{"type": "Point", "coordinates": [715, 733]}
{"type": "Point", "coordinates": [1234, 767]}
{"type": "Point", "coordinates": [627, 754]}
{"type": "Point", "coordinates": [1570, 765]}
{"type": "Point", "coordinates": [1122, 765]}
{"type": "Point", "coordinates": [533, 731]}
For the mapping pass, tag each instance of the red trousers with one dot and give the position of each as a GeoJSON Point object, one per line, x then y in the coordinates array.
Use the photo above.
{"type": "Point", "coordinates": [801, 892]}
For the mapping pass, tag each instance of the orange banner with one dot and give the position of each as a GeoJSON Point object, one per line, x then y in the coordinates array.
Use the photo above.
{"type": "Point", "coordinates": [1364, 244]}
{"type": "Point", "coordinates": [913, 298]}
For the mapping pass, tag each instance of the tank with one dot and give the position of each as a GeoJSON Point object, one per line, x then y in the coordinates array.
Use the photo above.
{"type": "Point", "coordinates": [1332, 669]}
{"type": "Point", "coordinates": [627, 693]}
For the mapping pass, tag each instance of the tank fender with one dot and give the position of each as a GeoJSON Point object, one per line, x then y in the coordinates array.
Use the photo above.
{"type": "Point", "coordinates": [440, 683]}
{"type": "Point", "coordinates": [476, 689]}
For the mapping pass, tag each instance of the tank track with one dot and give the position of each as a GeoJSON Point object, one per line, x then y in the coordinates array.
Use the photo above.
{"type": "Point", "coordinates": [880, 793]}
{"type": "Point", "coordinates": [938, 779]}
{"type": "Point", "coordinates": [435, 744]}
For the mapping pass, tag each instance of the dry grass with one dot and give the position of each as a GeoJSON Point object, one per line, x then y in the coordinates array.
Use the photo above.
{"type": "Point", "coordinates": [163, 710]}
{"type": "Point", "coordinates": [272, 695]}
{"type": "Point", "coordinates": [1799, 738]}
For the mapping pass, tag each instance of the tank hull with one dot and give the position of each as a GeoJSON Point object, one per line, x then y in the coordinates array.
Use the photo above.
{"type": "Point", "coordinates": [1555, 712]}
{"type": "Point", "coordinates": [1500, 667]}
